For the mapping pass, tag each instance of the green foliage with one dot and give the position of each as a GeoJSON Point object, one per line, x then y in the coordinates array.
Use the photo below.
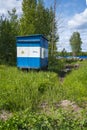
{"type": "Point", "coordinates": [14, 21]}
{"type": "Point", "coordinates": [61, 119]}
{"type": "Point", "coordinates": [8, 31]}
{"type": "Point", "coordinates": [82, 54]}
{"type": "Point", "coordinates": [27, 21]}
{"type": "Point", "coordinates": [75, 84]}
{"type": "Point", "coordinates": [42, 19]}
{"type": "Point", "coordinates": [65, 53]}
{"type": "Point", "coordinates": [34, 98]}
{"type": "Point", "coordinates": [55, 64]}
{"type": "Point", "coordinates": [75, 42]}
{"type": "Point", "coordinates": [19, 90]}
{"type": "Point", "coordinates": [35, 18]}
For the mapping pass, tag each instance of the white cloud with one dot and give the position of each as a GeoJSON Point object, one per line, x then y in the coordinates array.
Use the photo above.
{"type": "Point", "coordinates": [77, 23]}
{"type": "Point", "coordinates": [65, 36]}
{"type": "Point", "coordinates": [9, 5]}
{"type": "Point", "coordinates": [64, 40]}
{"type": "Point", "coordinates": [79, 20]}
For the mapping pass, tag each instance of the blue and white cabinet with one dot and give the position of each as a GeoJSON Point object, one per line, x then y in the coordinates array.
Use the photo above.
{"type": "Point", "coordinates": [32, 51]}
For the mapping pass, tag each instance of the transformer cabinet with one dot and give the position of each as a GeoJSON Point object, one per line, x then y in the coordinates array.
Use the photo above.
{"type": "Point", "coordinates": [32, 52]}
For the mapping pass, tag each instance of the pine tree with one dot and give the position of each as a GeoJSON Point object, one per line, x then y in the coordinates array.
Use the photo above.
{"type": "Point", "coordinates": [4, 40]}
{"type": "Point", "coordinates": [27, 21]}
{"type": "Point", "coordinates": [42, 19]}
{"type": "Point", "coordinates": [35, 18]}
{"type": "Point", "coordinates": [8, 32]}
{"type": "Point", "coordinates": [14, 23]}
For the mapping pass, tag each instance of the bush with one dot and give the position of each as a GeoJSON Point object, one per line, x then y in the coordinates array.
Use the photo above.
{"type": "Point", "coordinates": [56, 64]}
{"type": "Point", "coordinates": [59, 120]}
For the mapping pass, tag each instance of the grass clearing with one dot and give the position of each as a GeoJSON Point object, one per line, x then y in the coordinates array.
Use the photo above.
{"type": "Point", "coordinates": [19, 90]}
{"type": "Point", "coordinates": [37, 100]}
{"type": "Point", "coordinates": [75, 84]}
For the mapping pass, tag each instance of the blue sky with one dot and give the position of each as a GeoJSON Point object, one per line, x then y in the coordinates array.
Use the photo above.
{"type": "Point", "coordinates": [71, 15]}
{"type": "Point", "coordinates": [75, 19]}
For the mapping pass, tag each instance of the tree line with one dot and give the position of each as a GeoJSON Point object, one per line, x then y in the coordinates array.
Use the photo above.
{"type": "Point", "coordinates": [8, 31]}
{"type": "Point", "coordinates": [35, 19]}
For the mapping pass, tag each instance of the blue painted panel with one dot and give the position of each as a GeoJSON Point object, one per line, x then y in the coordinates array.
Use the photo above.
{"type": "Point", "coordinates": [34, 62]}
{"type": "Point", "coordinates": [28, 40]}
{"type": "Point", "coordinates": [24, 62]}
{"type": "Point", "coordinates": [28, 44]}
{"type": "Point", "coordinates": [44, 62]}
{"type": "Point", "coordinates": [34, 37]}
{"type": "Point", "coordinates": [44, 43]}
{"type": "Point", "coordinates": [83, 57]}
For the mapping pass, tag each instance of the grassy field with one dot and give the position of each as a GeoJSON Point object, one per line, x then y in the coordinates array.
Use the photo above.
{"type": "Point", "coordinates": [20, 90]}
{"type": "Point", "coordinates": [75, 85]}
{"type": "Point", "coordinates": [34, 99]}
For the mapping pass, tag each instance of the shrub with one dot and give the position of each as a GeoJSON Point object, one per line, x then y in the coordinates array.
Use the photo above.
{"type": "Point", "coordinates": [60, 119]}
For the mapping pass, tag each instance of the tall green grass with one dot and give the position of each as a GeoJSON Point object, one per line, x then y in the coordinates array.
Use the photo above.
{"type": "Point", "coordinates": [23, 93]}
{"type": "Point", "coordinates": [75, 84]}
{"type": "Point", "coordinates": [21, 90]}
